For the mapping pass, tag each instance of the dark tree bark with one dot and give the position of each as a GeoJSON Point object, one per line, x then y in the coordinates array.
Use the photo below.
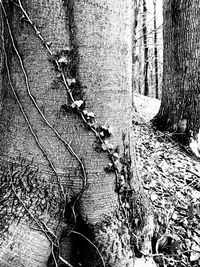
{"type": "Point", "coordinates": [146, 49]}
{"type": "Point", "coordinates": [180, 106]}
{"type": "Point", "coordinates": [155, 49]}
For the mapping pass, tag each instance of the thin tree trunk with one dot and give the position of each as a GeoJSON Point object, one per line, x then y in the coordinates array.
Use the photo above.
{"type": "Point", "coordinates": [135, 80]}
{"type": "Point", "coordinates": [146, 49]}
{"type": "Point", "coordinates": [155, 49]}
{"type": "Point", "coordinates": [180, 106]}
{"type": "Point", "coordinates": [140, 71]}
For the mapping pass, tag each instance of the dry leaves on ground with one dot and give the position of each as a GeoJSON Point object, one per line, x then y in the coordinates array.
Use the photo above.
{"type": "Point", "coordinates": [171, 178]}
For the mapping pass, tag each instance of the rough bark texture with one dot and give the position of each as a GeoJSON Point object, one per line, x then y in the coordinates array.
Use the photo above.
{"type": "Point", "coordinates": [100, 34]}
{"type": "Point", "coordinates": [180, 107]}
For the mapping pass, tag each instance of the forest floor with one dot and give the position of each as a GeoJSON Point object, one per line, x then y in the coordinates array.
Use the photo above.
{"type": "Point", "coordinates": [171, 177]}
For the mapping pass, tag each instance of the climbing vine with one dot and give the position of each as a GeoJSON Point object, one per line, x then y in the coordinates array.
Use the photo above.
{"type": "Point", "coordinates": [120, 166]}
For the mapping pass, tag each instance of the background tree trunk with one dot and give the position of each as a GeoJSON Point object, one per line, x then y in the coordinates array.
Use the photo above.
{"type": "Point", "coordinates": [41, 175]}
{"type": "Point", "coordinates": [146, 49]}
{"type": "Point", "coordinates": [180, 107]}
{"type": "Point", "coordinates": [155, 49]}
{"type": "Point", "coordinates": [135, 58]}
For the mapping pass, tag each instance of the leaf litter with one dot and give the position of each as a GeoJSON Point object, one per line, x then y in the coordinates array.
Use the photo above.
{"type": "Point", "coordinates": [171, 178]}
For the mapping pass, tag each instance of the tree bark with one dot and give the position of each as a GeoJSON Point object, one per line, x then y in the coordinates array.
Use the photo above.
{"type": "Point", "coordinates": [180, 108]}
{"type": "Point", "coordinates": [155, 49]}
{"type": "Point", "coordinates": [146, 49]}
{"type": "Point", "coordinates": [56, 195]}
{"type": "Point", "coordinates": [135, 71]}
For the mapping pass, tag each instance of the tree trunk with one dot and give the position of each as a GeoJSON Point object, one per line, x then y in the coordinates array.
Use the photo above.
{"type": "Point", "coordinates": [140, 71]}
{"type": "Point", "coordinates": [56, 194]}
{"type": "Point", "coordinates": [155, 49]}
{"type": "Point", "coordinates": [180, 107]}
{"type": "Point", "coordinates": [135, 71]}
{"type": "Point", "coordinates": [146, 49]}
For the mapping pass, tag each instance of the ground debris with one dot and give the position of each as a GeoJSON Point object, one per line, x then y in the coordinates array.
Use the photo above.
{"type": "Point", "coordinates": [171, 178]}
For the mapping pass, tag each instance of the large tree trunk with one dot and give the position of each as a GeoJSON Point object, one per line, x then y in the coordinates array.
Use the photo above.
{"type": "Point", "coordinates": [56, 194]}
{"type": "Point", "coordinates": [180, 107]}
{"type": "Point", "coordinates": [135, 71]}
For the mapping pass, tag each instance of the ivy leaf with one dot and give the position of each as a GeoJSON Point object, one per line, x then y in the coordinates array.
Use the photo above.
{"type": "Point", "coordinates": [104, 131]}
{"type": "Point", "coordinates": [63, 60]}
{"type": "Point", "coordinates": [90, 114]}
{"type": "Point", "coordinates": [109, 168]}
{"type": "Point", "coordinates": [115, 156]}
{"type": "Point", "coordinates": [104, 147]}
{"type": "Point", "coordinates": [70, 81]}
{"type": "Point", "coordinates": [77, 104]}
{"type": "Point", "coordinates": [48, 43]}
{"type": "Point", "coordinates": [107, 130]}
{"type": "Point", "coordinates": [109, 145]}
{"type": "Point", "coordinates": [101, 134]}
{"type": "Point", "coordinates": [85, 112]}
